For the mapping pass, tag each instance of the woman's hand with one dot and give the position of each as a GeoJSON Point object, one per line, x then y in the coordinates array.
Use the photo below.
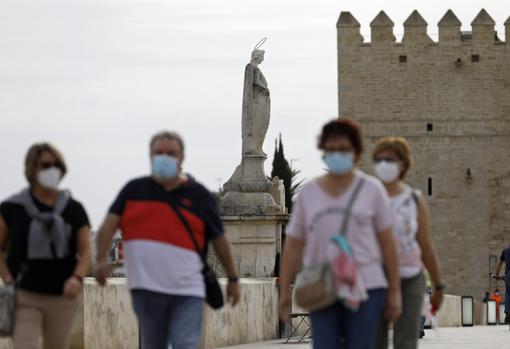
{"type": "Point", "coordinates": [393, 307]}
{"type": "Point", "coordinates": [284, 306]}
{"type": "Point", "coordinates": [72, 287]}
{"type": "Point", "coordinates": [437, 299]}
{"type": "Point", "coordinates": [103, 271]}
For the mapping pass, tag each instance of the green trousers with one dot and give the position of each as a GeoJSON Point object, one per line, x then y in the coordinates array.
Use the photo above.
{"type": "Point", "coordinates": [407, 327]}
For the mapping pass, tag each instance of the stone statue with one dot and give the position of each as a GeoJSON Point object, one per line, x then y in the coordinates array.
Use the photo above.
{"type": "Point", "coordinates": [249, 176]}
{"type": "Point", "coordinates": [256, 106]}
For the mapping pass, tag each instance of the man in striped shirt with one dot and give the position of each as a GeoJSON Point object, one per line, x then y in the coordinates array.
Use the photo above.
{"type": "Point", "coordinates": [164, 269]}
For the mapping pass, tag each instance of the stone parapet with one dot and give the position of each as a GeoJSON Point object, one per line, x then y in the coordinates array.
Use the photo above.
{"type": "Point", "coordinates": [256, 241]}
{"type": "Point", "coordinates": [415, 30]}
{"type": "Point", "coordinates": [105, 319]}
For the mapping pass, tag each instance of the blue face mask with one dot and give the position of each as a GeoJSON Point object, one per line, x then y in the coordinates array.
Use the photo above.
{"type": "Point", "coordinates": [339, 163]}
{"type": "Point", "coordinates": [164, 167]}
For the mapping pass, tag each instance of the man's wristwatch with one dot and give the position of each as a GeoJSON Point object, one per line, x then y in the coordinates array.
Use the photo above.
{"type": "Point", "coordinates": [233, 279]}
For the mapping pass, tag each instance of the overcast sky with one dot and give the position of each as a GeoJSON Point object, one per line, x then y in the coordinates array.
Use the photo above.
{"type": "Point", "coordinates": [98, 77]}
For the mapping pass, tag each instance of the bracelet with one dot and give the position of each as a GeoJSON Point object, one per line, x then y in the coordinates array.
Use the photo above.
{"type": "Point", "coordinates": [439, 287]}
{"type": "Point", "coordinates": [80, 278]}
{"type": "Point", "coordinates": [233, 279]}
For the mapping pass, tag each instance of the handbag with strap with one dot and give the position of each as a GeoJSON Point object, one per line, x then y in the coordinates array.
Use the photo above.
{"type": "Point", "coordinates": [214, 295]}
{"type": "Point", "coordinates": [7, 309]}
{"type": "Point", "coordinates": [8, 303]}
{"type": "Point", "coordinates": [315, 286]}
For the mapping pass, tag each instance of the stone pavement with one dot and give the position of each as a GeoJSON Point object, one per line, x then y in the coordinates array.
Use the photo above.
{"type": "Point", "coordinates": [478, 337]}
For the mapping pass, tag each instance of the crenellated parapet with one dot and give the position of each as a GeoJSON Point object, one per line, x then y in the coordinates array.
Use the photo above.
{"type": "Point", "coordinates": [415, 30]}
{"type": "Point", "coordinates": [483, 28]}
{"type": "Point", "coordinates": [348, 29]}
{"type": "Point", "coordinates": [382, 28]}
{"type": "Point", "coordinates": [449, 29]}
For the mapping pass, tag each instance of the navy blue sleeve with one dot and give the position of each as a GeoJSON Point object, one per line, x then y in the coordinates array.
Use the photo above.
{"type": "Point", "coordinates": [119, 204]}
{"type": "Point", "coordinates": [4, 212]}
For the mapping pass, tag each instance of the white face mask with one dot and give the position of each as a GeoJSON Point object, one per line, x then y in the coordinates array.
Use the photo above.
{"type": "Point", "coordinates": [387, 171]}
{"type": "Point", "coordinates": [50, 177]}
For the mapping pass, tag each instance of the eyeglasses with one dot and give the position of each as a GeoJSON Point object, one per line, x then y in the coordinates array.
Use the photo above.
{"type": "Point", "coordinates": [387, 159]}
{"type": "Point", "coordinates": [48, 164]}
{"type": "Point", "coordinates": [340, 150]}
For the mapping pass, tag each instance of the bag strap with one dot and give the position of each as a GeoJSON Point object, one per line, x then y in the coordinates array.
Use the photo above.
{"type": "Point", "coordinates": [416, 199]}
{"type": "Point", "coordinates": [187, 227]}
{"type": "Point", "coordinates": [347, 213]}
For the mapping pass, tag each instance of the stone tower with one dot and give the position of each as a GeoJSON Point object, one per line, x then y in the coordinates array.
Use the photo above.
{"type": "Point", "coordinates": [451, 100]}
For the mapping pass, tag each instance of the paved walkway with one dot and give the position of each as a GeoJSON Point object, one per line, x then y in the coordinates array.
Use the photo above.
{"type": "Point", "coordinates": [478, 337]}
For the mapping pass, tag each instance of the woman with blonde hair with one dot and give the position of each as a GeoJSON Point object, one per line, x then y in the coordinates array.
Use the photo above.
{"type": "Point", "coordinates": [392, 161]}
{"type": "Point", "coordinates": [45, 240]}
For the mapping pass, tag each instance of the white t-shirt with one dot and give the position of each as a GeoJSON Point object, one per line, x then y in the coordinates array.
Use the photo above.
{"type": "Point", "coordinates": [406, 228]}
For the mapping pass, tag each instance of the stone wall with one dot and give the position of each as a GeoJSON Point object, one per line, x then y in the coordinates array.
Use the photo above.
{"type": "Point", "coordinates": [451, 100]}
{"type": "Point", "coordinates": [106, 320]}
{"type": "Point", "coordinates": [254, 319]}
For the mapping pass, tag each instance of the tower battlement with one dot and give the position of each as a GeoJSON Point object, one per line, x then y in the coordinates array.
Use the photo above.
{"type": "Point", "coordinates": [415, 30]}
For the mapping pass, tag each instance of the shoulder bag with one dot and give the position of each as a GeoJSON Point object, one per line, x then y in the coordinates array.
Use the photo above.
{"type": "Point", "coordinates": [315, 286]}
{"type": "Point", "coordinates": [7, 309]}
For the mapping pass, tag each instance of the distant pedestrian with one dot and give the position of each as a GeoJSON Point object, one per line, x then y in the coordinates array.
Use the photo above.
{"type": "Point", "coordinates": [163, 266]}
{"type": "Point", "coordinates": [498, 298]}
{"type": "Point", "coordinates": [45, 235]}
{"type": "Point", "coordinates": [505, 258]}
{"type": "Point", "coordinates": [318, 214]}
{"type": "Point", "coordinates": [392, 161]}
{"type": "Point", "coordinates": [486, 297]}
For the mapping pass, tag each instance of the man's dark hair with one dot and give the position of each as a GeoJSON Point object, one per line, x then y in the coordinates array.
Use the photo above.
{"type": "Point", "coordinates": [170, 135]}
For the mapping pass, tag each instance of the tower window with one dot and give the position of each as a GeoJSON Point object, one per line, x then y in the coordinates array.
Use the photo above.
{"type": "Point", "coordinates": [430, 186]}
{"type": "Point", "coordinates": [475, 58]}
{"type": "Point", "coordinates": [402, 59]}
{"type": "Point", "coordinates": [430, 127]}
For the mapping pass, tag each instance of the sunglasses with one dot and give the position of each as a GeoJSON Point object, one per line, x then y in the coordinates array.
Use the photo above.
{"type": "Point", "coordinates": [48, 164]}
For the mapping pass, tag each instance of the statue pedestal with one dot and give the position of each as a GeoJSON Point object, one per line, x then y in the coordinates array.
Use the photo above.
{"type": "Point", "coordinates": [256, 240]}
{"type": "Point", "coordinates": [253, 224]}
{"type": "Point", "coordinates": [241, 203]}
{"type": "Point", "coordinates": [249, 176]}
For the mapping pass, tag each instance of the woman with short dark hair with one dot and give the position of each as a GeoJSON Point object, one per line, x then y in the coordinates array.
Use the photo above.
{"type": "Point", "coordinates": [45, 239]}
{"type": "Point", "coordinates": [344, 195]}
